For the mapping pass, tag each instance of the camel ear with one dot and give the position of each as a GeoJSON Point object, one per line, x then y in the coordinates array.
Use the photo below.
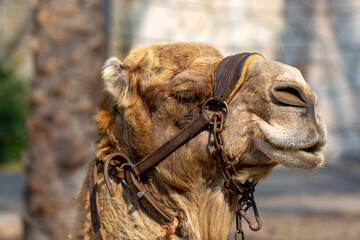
{"type": "Point", "coordinates": [116, 76]}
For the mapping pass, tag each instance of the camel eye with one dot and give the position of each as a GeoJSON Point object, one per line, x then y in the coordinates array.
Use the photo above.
{"type": "Point", "coordinates": [181, 99]}
{"type": "Point", "coordinates": [185, 97]}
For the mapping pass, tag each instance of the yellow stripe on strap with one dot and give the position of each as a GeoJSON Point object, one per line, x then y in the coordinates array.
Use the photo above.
{"type": "Point", "coordinates": [242, 76]}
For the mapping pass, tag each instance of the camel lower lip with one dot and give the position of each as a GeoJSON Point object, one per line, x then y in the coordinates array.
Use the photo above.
{"type": "Point", "coordinates": [293, 158]}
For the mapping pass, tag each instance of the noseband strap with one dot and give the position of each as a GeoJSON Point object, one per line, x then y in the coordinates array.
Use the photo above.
{"type": "Point", "coordinates": [228, 77]}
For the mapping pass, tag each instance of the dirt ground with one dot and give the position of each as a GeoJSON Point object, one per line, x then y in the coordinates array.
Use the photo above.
{"type": "Point", "coordinates": [10, 227]}
{"type": "Point", "coordinates": [306, 226]}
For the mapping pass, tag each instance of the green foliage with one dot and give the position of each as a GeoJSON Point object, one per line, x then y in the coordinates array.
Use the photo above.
{"type": "Point", "coordinates": [13, 113]}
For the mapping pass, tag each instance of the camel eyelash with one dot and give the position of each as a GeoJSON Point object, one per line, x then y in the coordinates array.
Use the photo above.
{"type": "Point", "coordinates": [185, 98]}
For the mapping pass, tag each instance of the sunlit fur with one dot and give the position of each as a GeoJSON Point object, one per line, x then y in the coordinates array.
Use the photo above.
{"type": "Point", "coordinates": [154, 93]}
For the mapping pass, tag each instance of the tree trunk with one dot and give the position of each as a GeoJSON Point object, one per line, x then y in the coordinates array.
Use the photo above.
{"type": "Point", "coordinates": [68, 42]}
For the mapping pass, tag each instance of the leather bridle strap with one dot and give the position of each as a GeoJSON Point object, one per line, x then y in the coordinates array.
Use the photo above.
{"type": "Point", "coordinates": [94, 201]}
{"type": "Point", "coordinates": [170, 146]}
{"type": "Point", "coordinates": [136, 187]}
{"type": "Point", "coordinates": [228, 77]}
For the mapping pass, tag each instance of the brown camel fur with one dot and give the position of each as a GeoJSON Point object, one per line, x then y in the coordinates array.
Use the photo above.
{"type": "Point", "coordinates": [153, 94]}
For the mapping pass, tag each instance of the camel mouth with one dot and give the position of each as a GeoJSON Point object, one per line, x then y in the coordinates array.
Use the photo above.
{"type": "Point", "coordinates": [303, 158]}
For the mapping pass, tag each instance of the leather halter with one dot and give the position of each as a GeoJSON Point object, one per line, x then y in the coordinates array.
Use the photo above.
{"type": "Point", "coordinates": [228, 77]}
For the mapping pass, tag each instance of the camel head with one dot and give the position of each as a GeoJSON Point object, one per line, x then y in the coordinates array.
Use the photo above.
{"type": "Point", "coordinates": [158, 90]}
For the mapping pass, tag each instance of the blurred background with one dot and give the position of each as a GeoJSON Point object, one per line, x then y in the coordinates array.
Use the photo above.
{"type": "Point", "coordinates": [51, 53]}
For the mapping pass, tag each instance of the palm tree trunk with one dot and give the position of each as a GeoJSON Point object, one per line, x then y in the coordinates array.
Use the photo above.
{"type": "Point", "coordinates": [68, 42]}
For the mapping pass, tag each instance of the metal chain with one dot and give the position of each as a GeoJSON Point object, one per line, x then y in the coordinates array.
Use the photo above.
{"type": "Point", "coordinates": [239, 230]}
{"type": "Point", "coordinates": [245, 190]}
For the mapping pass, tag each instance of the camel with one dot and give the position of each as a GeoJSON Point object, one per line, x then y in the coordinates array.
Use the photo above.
{"type": "Point", "coordinates": [156, 92]}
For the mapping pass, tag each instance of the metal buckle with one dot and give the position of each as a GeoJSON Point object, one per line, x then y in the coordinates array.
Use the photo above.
{"type": "Point", "coordinates": [141, 193]}
{"type": "Point", "coordinates": [122, 166]}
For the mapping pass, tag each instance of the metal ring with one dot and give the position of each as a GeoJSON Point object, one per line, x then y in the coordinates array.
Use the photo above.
{"type": "Point", "coordinates": [219, 103]}
{"type": "Point", "coordinates": [126, 164]}
{"type": "Point", "coordinates": [125, 183]}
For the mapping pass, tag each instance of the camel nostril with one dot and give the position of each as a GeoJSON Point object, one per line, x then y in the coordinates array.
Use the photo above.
{"type": "Point", "coordinates": [288, 94]}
